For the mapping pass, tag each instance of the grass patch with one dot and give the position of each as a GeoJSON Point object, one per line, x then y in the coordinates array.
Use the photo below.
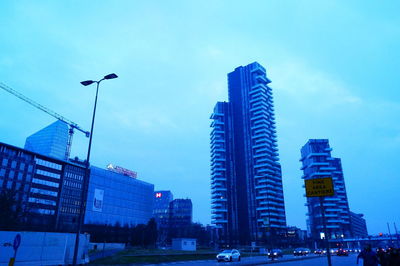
{"type": "Point", "coordinates": [124, 259]}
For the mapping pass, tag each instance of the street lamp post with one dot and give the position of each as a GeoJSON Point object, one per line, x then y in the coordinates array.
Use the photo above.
{"type": "Point", "coordinates": [86, 177]}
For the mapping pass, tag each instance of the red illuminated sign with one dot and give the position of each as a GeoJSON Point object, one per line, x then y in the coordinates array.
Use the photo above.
{"type": "Point", "coordinates": [121, 170]}
{"type": "Point", "coordinates": [158, 195]}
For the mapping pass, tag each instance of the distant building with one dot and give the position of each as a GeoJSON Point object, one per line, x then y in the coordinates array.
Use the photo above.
{"type": "Point", "coordinates": [295, 236]}
{"type": "Point", "coordinates": [162, 199]}
{"type": "Point", "coordinates": [50, 141]}
{"type": "Point", "coordinates": [116, 198]}
{"type": "Point", "coordinates": [318, 163]}
{"type": "Point", "coordinates": [246, 179]}
{"type": "Point", "coordinates": [184, 244]}
{"type": "Point", "coordinates": [47, 189]}
{"type": "Point", "coordinates": [180, 213]}
{"type": "Point", "coordinates": [358, 225]}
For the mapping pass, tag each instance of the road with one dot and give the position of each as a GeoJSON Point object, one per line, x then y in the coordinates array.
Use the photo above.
{"type": "Point", "coordinates": [322, 261]}
{"type": "Point", "coordinates": [260, 260]}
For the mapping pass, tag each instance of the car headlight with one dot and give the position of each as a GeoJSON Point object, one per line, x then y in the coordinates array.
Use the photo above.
{"type": "Point", "coordinates": [275, 253]}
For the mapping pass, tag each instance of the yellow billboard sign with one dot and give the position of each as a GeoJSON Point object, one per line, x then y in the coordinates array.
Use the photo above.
{"type": "Point", "coordinates": [319, 187]}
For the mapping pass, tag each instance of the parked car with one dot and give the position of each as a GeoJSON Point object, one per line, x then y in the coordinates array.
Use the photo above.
{"type": "Point", "coordinates": [342, 252]}
{"type": "Point", "coordinates": [275, 253]}
{"type": "Point", "coordinates": [301, 251]}
{"type": "Point", "coordinates": [229, 255]}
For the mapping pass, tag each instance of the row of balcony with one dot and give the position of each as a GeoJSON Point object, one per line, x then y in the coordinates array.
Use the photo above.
{"type": "Point", "coordinates": [263, 115]}
{"type": "Point", "coordinates": [261, 87]}
{"type": "Point", "coordinates": [218, 199]}
{"type": "Point", "coordinates": [260, 95]}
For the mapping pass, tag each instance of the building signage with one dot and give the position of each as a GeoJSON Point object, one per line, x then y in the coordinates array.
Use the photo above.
{"type": "Point", "coordinates": [98, 200]}
{"type": "Point", "coordinates": [121, 170]}
{"type": "Point", "coordinates": [319, 187]}
{"type": "Point", "coordinates": [158, 195]}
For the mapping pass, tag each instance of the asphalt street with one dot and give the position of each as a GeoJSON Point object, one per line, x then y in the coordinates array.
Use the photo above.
{"type": "Point", "coordinates": [260, 260]}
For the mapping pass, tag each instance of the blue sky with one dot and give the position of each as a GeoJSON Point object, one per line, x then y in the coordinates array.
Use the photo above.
{"type": "Point", "coordinates": [333, 64]}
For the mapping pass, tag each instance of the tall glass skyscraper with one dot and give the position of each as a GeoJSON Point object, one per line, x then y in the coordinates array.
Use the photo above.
{"type": "Point", "coordinates": [50, 141]}
{"type": "Point", "coordinates": [246, 180]}
{"type": "Point", "coordinates": [318, 163]}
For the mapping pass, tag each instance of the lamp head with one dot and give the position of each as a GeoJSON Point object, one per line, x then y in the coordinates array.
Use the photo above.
{"type": "Point", "coordinates": [111, 76]}
{"type": "Point", "coordinates": [87, 82]}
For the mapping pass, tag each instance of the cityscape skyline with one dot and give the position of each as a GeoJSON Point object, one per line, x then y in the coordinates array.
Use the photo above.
{"type": "Point", "coordinates": [159, 107]}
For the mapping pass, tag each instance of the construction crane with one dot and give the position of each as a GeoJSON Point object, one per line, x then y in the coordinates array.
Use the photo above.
{"type": "Point", "coordinates": [72, 125]}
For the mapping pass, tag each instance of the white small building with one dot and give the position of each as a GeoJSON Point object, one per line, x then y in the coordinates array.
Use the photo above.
{"type": "Point", "coordinates": [186, 244]}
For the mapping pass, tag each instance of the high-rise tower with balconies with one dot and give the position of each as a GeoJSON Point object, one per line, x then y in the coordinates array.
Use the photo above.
{"type": "Point", "coordinates": [318, 163]}
{"type": "Point", "coordinates": [246, 180]}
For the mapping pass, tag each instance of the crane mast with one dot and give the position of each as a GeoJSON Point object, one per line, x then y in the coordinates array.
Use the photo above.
{"type": "Point", "coordinates": [72, 125]}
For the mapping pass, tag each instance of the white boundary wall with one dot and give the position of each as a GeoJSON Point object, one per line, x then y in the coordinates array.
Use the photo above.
{"type": "Point", "coordinates": [43, 248]}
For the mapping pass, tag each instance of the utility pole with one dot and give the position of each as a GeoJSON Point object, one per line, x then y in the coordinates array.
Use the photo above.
{"type": "Point", "coordinates": [328, 252]}
{"type": "Point", "coordinates": [321, 187]}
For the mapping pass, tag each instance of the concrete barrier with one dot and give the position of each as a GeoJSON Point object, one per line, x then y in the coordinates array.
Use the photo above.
{"type": "Point", "coordinates": [43, 248]}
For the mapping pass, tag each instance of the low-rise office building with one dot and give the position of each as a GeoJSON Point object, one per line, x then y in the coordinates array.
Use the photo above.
{"type": "Point", "coordinates": [115, 198]}
{"type": "Point", "coordinates": [358, 225]}
{"type": "Point", "coordinates": [181, 213]}
{"type": "Point", "coordinates": [41, 186]}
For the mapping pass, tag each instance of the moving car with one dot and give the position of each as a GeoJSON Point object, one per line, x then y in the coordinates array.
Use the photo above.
{"type": "Point", "coordinates": [301, 251]}
{"type": "Point", "coordinates": [334, 251]}
{"type": "Point", "coordinates": [342, 252]}
{"type": "Point", "coordinates": [320, 251]}
{"type": "Point", "coordinates": [229, 255]}
{"type": "Point", "coordinates": [275, 253]}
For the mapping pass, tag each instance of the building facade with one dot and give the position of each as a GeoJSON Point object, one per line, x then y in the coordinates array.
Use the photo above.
{"type": "Point", "coordinates": [162, 200]}
{"type": "Point", "coordinates": [40, 185]}
{"type": "Point", "coordinates": [358, 225]}
{"type": "Point", "coordinates": [50, 141]}
{"type": "Point", "coordinates": [180, 213]}
{"type": "Point", "coordinates": [317, 162]}
{"type": "Point", "coordinates": [246, 180]}
{"type": "Point", "coordinates": [118, 199]}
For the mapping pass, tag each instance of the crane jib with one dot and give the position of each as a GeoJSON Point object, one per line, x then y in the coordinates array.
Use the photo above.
{"type": "Point", "coordinates": [71, 124]}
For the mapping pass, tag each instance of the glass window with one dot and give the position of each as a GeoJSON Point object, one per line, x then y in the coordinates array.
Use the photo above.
{"type": "Point", "coordinates": [11, 174]}
{"type": "Point", "coordinates": [46, 173]}
{"type": "Point", "coordinates": [9, 184]}
{"type": "Point", "coordinates": [44, 192]}
{"type": "Point", "coordinates": [20, 176]}
{"type": "Point", "coordinates": [30, 168]}
{"type": "Point", "coordinates": [5, 161]}
{"type": "Point", "coordinates": [48, 164]}
{"type": "Point", "coordinates": [28, 177]}
{"type": "Point", "coordinates": [2, 172]}
{"type": "Point", "coordinates": [13, 164]}
{"type": "Point", "coordinates": [42, 201]}
{"type": "Point", "coordinates": [45, 182]}
{"type": "Point", "coordinates": [1, 182]}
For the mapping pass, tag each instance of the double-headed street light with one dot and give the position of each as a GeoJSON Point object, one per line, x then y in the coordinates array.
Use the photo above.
{"type": "Point", "coordinates": [86, 177]}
